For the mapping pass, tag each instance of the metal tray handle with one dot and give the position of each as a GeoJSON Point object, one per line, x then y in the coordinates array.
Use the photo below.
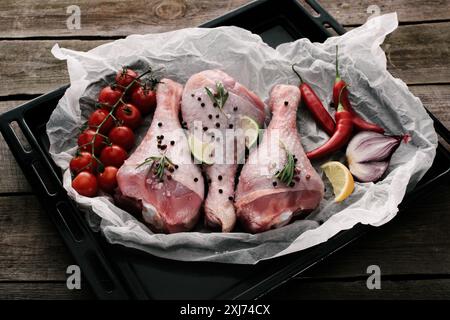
{"type": "Point", "coordinates": [72, 227]}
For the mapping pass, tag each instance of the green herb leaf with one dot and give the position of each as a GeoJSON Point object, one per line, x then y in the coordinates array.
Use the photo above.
{"type": "Point", "coordinates": [221, 95]}
{"type": "Point", "coordinates": [286, 174]}
{"type": "Point", "coordinates": [160, 163]}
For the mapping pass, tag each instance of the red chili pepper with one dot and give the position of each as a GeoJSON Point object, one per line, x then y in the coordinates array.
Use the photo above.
{"type": "Point", "coordinates": [359, 123]}
{"type": "Point", "coordinates": [344, 127]}
{"type": "Point", "coordinates": [315, 106]}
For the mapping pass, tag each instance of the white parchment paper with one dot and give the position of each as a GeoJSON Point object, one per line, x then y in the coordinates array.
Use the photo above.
{"type": "Point", "coordinates": [243, 55]}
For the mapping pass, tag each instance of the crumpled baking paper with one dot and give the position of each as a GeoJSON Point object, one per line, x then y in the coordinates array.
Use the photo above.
{"type": "Point", "coordinates": [179, 54]}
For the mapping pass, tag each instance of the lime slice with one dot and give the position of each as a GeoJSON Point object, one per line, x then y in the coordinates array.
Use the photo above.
{"type": "Point", "coordinates": [341, 179]}
{"type": "Point", "coordinates": [202, 152]}
{"type": "Point", "coordinates": [251, 130]}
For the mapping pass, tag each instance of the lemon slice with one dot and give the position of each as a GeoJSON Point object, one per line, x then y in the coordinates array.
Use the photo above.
{"type": "Point", "coordinates": [341, 179]}
{"type": "Point", "coordinates": [251, 130]}
{"type": "Point", "coordinates": [203, 152]}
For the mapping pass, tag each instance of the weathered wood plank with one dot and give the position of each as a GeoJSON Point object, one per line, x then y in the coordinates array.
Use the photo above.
{"type": "Point", "coordinates": [32, 69]}
{"type": "Point", "coordinates": [356, 12]}
{"type": "Point", "coordinates": [436, 99]}
{"type": "Point", "coordinates": [120, 18]}
{"type": "Point", "coordinates": [417, 54]}
{"type": "Point", "coordinates": [293, 290]}
{"type": "Point", "coordinates": [30, 248]}
{"type": "Point", "coordinates": [13, 179]}
{"type": "Point", "coordinates": [42, 291]}
{"type": "Point", "coordinates": [433, 289]}
{"type": "Point", "coordinates": [107, 18]}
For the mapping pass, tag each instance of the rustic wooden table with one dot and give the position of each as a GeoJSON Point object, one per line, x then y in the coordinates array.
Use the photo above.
{"type": "Point", "coordinates": [413, 251]}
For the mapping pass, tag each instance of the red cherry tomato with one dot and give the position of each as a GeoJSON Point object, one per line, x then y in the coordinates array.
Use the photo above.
{"type": "Point", "coordinates": [109, 96]}
{"type": "Point", "coordinates": [96, 119]}
{"type": "Point", "coordinates": [113, 155]}
{"type": "Point", "coordinates": [144, 99]}
{"type": "Point", "coordinates": [83, 162]}
{"type": "Point", "coordinates": [86, 138]}
{"type": "Point", "coordinates": [107, 180]}
{"type": "Point", "coordinates": [125, 76]}
{"type": "Point", "coordinates": [85, 183]}
{"type": "Point", "coordinates": [122, 136]}
{"type": "Point", "coordinates": [129, 115]}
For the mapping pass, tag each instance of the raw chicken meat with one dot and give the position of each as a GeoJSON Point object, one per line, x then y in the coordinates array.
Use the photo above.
{"type": "Point", "coordinates": [170, 201]}
{"type": "Point", "coordinates": [210, 122]}
{"type": "Point", "coordinates": [262, 200]}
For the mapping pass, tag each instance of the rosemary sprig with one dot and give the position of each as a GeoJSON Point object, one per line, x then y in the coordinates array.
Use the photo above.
{"type": "Point", "coordinates": [160, 162]}
{"type": "Point", "coordinates": [220, 97]}
{"type": "Point", "coordinates": [286, 174]}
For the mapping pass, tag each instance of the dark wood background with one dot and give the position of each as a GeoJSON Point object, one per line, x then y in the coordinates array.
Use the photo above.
{"type": "Point", "coordinates": [413, 251]}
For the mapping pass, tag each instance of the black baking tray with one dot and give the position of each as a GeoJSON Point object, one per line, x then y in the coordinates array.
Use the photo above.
{"type": "Point", "coordinates": [117, 272]}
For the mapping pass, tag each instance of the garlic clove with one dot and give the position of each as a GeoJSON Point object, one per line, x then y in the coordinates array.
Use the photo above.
{"type": "Point", "coordinates": [368, 171]}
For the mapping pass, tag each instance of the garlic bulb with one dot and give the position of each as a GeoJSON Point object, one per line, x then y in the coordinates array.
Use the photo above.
{"type": "Point", "coordinates": [368, 154]}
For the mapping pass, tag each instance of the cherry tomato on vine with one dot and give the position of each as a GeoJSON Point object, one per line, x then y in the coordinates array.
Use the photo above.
{"type": "Point", "coordinates": [84, 161]}
{"type": "Point", "coordinates": [109, 96]}
{"type": "Point", "coordinates": [85, 139]}
{"type": "Point", "coordinates": [85, 183]}
{"type": "Point", "coordinates": [98, 117]}
{"type": "Point", "coordinates": [122, 136]}
{"type": "Point", "coordinates": [129, 115]}
{"type": "Point", "coordinates": [113, 155]}
{"type": "Point", "coordinates": [144, 99]}
{"type": "Point", "coordinates": [125, 76]}
{"type": "Point", "coordinates": [107, 180]}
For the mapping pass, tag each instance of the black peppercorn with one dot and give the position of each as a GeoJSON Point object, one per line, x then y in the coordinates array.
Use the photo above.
{"type": "Point", "coordinates": [274, 183]}
{"type": "Point", "coordinates": [286, 103]}
{"type": "Point", "coordinates": [172, 143]}
{"type": "Point", "coordinates": [195, 179]}
{"type": "Point", "coordinates": [202, 104]}
{"type": "Point", "coordinates": [220, 191]}
{"type": "Point", "coordinates": [219, 177]}
{"type": "Point", "coordinates": [210, 116]}
{"type": "Point", "coordinates": [199, 99]}
{"type": "Point", "coordinates": [159, 124]}
{"type": "Point", "coordinates": [230, 198]}
{"type": "Point", "coordinates": [230, 126]}
{"type": "Point", "coordinates": [217, 125]}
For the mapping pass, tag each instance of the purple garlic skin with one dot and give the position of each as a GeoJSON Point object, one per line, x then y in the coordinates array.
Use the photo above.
{"type": "Point", "coordinates": [368, 154]}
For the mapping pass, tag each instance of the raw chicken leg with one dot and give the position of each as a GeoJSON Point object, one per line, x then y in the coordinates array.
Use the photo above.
{"type": "Point", "coordinates": [171, 201]}
{"type": "Point", "coordinates": [262, 200]}
{"type": "Point", "coordinates": [212, 120]}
